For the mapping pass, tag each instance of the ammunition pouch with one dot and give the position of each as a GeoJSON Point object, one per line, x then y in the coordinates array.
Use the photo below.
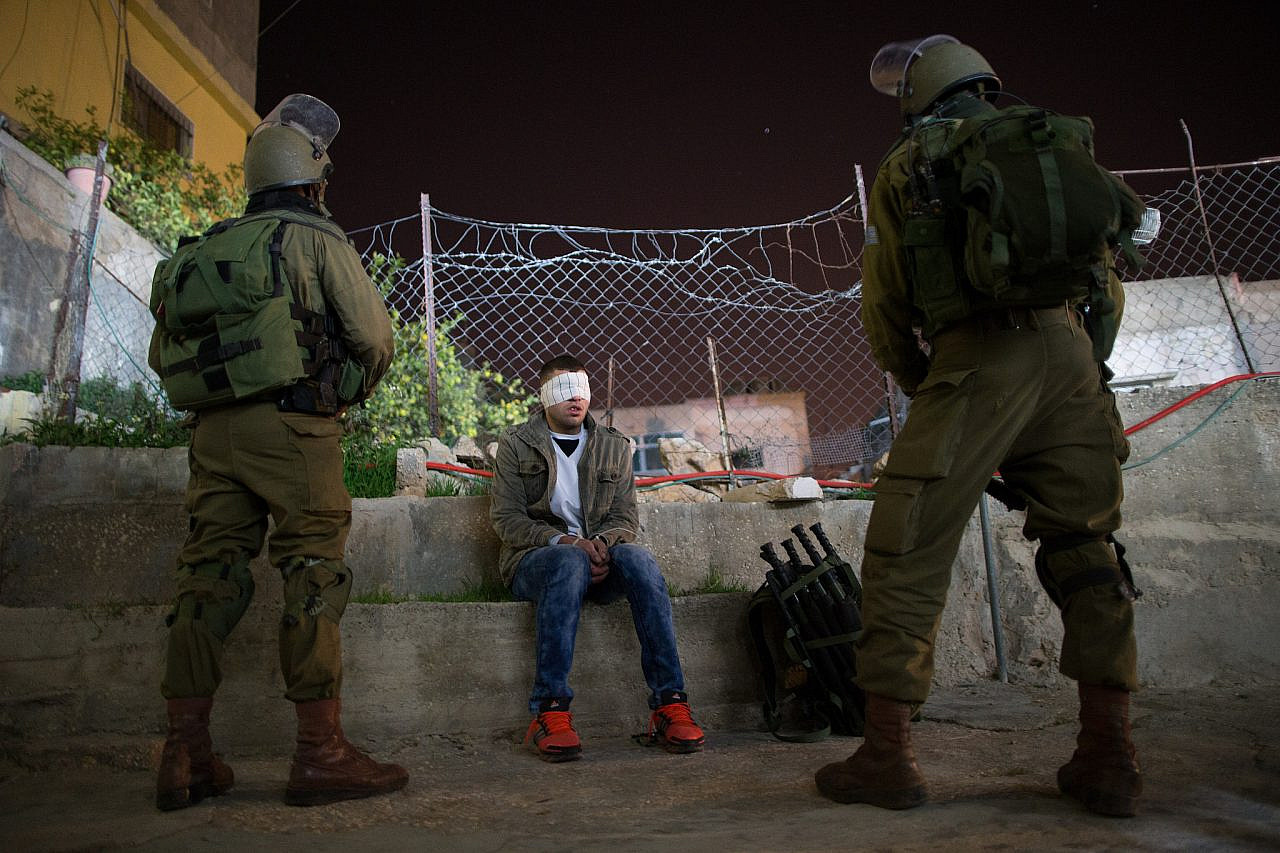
{"type": "Point", "coordinates": [1065, 565]}
{"type": "Point", "coordinates": [1101, 319]}
{"type": "Point", "coordinates": [938, 289]}
{"type": "Point", "coordinates": [334, 379]}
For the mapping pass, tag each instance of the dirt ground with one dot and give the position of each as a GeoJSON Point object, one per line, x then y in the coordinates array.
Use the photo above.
{"type": "Point", "coordinates": [1211, 760]}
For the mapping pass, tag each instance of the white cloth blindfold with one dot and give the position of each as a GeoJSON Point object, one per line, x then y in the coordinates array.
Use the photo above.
{"type": "Point", "coordinates": [564, 386]}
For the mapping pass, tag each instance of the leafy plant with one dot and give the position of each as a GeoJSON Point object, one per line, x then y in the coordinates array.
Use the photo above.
{"type": "Point", "coordinates": [473, 400]}
{"type": "Point", "coordinates": [159, 192]}
{"type": "Point", "coordinates": [32, 380]}
{"type": "Point", "coordinates": [452, 487]}
{"type": "Point", "coordinates": [368, 468]}
{"type": "Point", "coordinates": [120, 417]}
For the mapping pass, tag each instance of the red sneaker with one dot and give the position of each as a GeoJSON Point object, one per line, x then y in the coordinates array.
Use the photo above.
{"type": "Point", "coordinates": [672, 727]}
{"type": "Point", "coordinates": [553, 736]}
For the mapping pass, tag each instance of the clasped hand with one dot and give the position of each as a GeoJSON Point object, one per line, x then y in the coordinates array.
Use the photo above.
{"type": "Point", "coordinates": [599, 554]}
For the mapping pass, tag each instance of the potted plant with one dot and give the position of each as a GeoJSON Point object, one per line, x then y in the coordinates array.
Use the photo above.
{"type": "Point", "coordinates": [80, 169]}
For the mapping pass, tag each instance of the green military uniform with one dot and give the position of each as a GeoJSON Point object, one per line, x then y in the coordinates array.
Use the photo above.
{"type": "Point", "coordinates": [1014, 390]}
{"type": "Point", "coordinates": [250, 460]}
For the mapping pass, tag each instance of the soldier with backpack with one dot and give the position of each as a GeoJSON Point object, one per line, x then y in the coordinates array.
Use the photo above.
{"type": "Point", "coordinates": [989, 237]}
{"type": "Point", "coordinates": [267, 327]}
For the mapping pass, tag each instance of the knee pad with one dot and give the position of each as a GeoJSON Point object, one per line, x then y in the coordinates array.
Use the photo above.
{"type": "Point", "coordinates": [314, 588]}
{"type": "Point", "coordinates": [215, 594]}
{"type": "Point", "coordinates": [1066, 565]}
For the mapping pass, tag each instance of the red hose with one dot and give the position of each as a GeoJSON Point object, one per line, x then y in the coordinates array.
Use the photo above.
{"type": "Point", "coordinates": [1164, 413]}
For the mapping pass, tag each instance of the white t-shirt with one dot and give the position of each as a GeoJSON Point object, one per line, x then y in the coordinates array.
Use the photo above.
{"type": "Point", "coordinates": [566, 499]}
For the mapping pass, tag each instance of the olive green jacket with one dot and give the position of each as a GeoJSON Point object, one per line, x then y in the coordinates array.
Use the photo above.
{"type": "Point", "coordinates": [524, 478]}
{"type": "Point", "coordinates": [328, 277]}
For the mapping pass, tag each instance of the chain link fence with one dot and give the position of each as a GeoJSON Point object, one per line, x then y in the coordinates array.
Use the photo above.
{"type": "Point", "coordinates": [778, 306]}
{"type": "Point", "coordinates": [746, 339]}
{"type": "Point", "coordinates": [1207, 303]}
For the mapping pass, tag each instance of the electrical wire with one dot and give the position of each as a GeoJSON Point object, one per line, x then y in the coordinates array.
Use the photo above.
{"type": "Point", "coordinates": [1164, 413]}
{"type": "Point", "coordinates": [1169, 447]}
{"type": "Point", "coordinates": [26, 9]}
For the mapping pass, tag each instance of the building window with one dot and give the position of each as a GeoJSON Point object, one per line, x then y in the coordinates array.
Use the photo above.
{"type": "Point", "coordinates": [154, 117]}
{"type": "Point", "coordinates": [647, 462]}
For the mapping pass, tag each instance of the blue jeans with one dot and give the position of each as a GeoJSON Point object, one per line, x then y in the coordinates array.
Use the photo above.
{"type": "Point", "coordinates": [557, 578]}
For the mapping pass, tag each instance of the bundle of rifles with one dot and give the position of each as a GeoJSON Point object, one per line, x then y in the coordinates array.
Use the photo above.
{"type": "Point", "coordinates": [820, 605]}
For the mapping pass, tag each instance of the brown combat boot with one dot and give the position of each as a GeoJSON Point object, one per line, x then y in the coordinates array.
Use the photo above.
{"type": "Point", "coordinates": [189, 769]}
{"type": "Point", "coordinates": [1103, 773]}
{"type": "Point", "coordinates": [883, 772]}
{"type": "Point", "coordinates": [327, 767]}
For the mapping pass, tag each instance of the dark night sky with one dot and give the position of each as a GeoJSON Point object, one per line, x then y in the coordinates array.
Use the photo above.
{"type": "Point", "coordinates": [707, 114]}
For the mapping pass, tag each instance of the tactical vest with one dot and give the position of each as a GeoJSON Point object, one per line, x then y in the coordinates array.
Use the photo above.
{"type": "Point", "coordinates": [230, 327]}
{"type": "Point", "coordinates": [1009, 208]}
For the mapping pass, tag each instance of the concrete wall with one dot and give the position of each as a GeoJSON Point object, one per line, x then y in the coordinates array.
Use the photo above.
{"type": "Point", "coordinates": [1177, 331]}
{"type": "Point", "coordinates": [88, 536]}
{"type": "Point", "coordinates": [38, 211]}
{"type": "Point", "coordinates": [774, 423]}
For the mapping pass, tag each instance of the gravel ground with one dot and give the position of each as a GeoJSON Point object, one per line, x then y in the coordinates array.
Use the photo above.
{"type": "Point", "coordinates": [1211, 759]}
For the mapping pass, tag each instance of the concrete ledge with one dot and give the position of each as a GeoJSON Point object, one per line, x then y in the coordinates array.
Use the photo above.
{"type": "Point", "coordinates": [108, 526]}
{"type": "Point", "coordinates": [410, 669]}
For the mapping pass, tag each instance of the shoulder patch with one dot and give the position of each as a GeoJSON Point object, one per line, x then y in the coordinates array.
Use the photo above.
{"type": "Point", "coordinates": [873, 236]}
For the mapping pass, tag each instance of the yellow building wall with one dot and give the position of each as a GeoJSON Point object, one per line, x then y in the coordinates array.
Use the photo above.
{"type": "Point", "coordinates": [77, 50]}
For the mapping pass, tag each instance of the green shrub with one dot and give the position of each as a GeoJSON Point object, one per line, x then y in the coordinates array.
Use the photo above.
{"type": "Point", "coordinates": [32, 380]}
{"type": "Point", "coordinates": [475, 401]}
{"type": "Point", "coordinates": [118, 417]}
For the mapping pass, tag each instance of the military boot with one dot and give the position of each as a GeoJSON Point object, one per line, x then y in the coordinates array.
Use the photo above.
{"type": "Point", "coordinates": [327, 767]}
{"type": "Point", "coordinates": [189, 769]}
{"type": "Point", "coordinates": [883, 772]}
{"type": "Point", "coordinates": [1103, 773]}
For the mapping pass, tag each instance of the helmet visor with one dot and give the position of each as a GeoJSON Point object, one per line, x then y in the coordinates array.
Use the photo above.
{"type": "Point", "coordinates": [309, 115]}
{"type": "Point", "coordinates": [889, 68]}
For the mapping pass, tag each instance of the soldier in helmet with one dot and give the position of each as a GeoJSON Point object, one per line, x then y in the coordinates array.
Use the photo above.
{"type": "Point", "coordinates": [1013, 389]}
{"type": "Point", "coordinates": [274, 454]}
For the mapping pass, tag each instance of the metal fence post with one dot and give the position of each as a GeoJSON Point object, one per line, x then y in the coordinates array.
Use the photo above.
{"type": "Point", "coordinates": [429, 317]}
{"type": "Point", "coordinates": [993, 589]}
{"type": "Point", "coordinates": [68, 334]}
{"type": "Point", "coordinates": [1213, 257]}
{"type": "Point", "coordinates": [725, 456]}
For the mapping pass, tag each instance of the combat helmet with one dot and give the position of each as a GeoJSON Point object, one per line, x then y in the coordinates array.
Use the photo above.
{"type": "Point", "coordinates": [290, 146]}
{"type": "Point", "coordinates": [922, 72]}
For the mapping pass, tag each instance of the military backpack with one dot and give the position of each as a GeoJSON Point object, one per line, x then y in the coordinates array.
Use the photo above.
{"type": "Point", "coordinates": [230, 327]}
{"type": "Point", "coordinates": [1009, 208]}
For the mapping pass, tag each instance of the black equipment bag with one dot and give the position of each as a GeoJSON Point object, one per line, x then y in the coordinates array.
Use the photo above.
{"type": "Point", "coordinates": [803, 622]}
